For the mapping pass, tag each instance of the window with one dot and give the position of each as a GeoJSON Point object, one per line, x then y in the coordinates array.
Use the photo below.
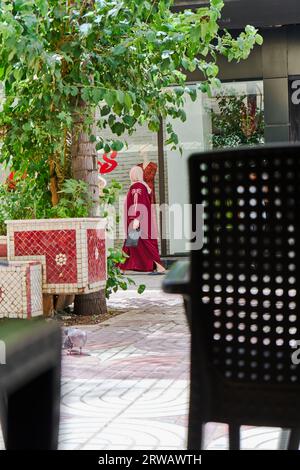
{"type": "Point", "coordinates": [233, 116]}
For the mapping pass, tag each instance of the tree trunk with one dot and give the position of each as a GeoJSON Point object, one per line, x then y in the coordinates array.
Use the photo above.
{"type": "Point", "coordinates": [48, 307]}
{"type": "Point", "coordinates": [53, 185]}
{"type": "Point", "coordinates": [90, 304]}
{"type": "Point", "coordinates": [85, 167]}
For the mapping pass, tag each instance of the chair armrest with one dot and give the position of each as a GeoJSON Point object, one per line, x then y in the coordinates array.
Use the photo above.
{"type": "Point", "coordinates": [177, 281]}
{"type": "Point", "coordinates": [30, 383]}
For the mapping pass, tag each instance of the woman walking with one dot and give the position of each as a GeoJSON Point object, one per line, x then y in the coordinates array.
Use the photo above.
{"type": "Point", "coordinates": [139, 216]}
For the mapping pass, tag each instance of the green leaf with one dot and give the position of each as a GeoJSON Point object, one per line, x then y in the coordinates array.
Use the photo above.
{"type": "Point", "coordinates": [166, 54]}
{"type": "Point", "coordinates": [175, 138]}
{"type": "Point", "coordinates": [11, 55]}
{"type": "Point", "coordinates": [193, 94]}
{"type": "Point", "coordinates": [195, 33]}
{"type": "Point", "coordinates": [30, 20]}
{"type": "Point", "coordinates": [182, 115]}
{"type": "Point", "coordinates": [112, 119]}
{"type": "Point", "coordinates": [62, 116]}
{"type": "Point", "coordinates": [192, 65]}
{"type": "Point", "coordinates": [85, 94]}
{"type": "Point", "coordinates": [128, 101]}
{"type": "Point", "coordinates": [117, 145]}
{"type": "Point", "coordinates": [154, 125]}
{"type": "Point", "coordinates": [259, 39]}
{"type": "Point", "coordinates": [219, 4]}
{"type": "Point", "coordinates": [99, 145]}
{"type": "Point", "coordinates": [141, 288]}
{"type": "Point", "coordinates": [212, 70]}
{"type": "Point", "coordinates": [98, 94]}
{"type": "Point", "coordinates": [118, 128]}
{"type": "Point", "coordinates": [185, 63]}
{"type": "Point", "coordinates": [118, 108]}
{"type": "Point", "coordinates": [105, 110]}
{"type": "Point", "coordinates": [42, 6]}
{"type": "Point", "coordinates": [204, 87]}
{"type": "Point", "coordinates": [150, 36]}
{"type": "Point", "coordinates": [119, 50]}
{"type": "Point", "coordinates": [120, 96]}
{"type": "Point", "coordinates": [147, 5]}
{"type": "Point", "coordinates": [26, 126]}
{"type": "Point", "coordinates": [110, 98]}
{"type": "Point", "coordinates": [74, 90]}
{"type": "Point", "coordinates": [129, 120]}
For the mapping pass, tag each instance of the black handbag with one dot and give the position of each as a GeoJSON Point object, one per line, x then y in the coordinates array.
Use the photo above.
{"type": "Point", "coordinates": [133, 238]}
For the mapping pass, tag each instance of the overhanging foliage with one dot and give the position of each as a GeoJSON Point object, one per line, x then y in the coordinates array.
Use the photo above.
{"type": "Point", "coordinates": [118, 56]}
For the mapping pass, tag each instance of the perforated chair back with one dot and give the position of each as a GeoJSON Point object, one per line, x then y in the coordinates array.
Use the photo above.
{"type": "Point", "coordinates": [245, 289]}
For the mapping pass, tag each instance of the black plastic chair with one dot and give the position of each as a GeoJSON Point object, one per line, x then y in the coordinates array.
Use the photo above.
{"type": "Point", "coordinates": [242, 292]}
{"type": "Point", "coordinates": [30, 384]}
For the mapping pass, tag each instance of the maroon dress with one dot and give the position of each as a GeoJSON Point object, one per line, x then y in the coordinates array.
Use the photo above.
{"type": "Point", "coordinates": [149, 174]}
{"type": "Point", "coordinates": [138, 206]}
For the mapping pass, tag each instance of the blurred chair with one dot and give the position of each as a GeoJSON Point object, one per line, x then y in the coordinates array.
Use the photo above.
{"type": "Point", "coordinates": [242, 294]}
{"type": "Point", "coordinates": [30, 384]}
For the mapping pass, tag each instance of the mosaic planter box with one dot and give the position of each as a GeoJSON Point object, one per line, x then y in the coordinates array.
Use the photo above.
{"type": "Point", "coordinates": [3, 248]}
{"type": "Point", "coordinates": [72, 252]}
{"type": "Point", "coordinates": [21, 290]}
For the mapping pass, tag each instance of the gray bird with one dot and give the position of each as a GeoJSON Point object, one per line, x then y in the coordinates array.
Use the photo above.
{"type": "Point", "coordinates": [74, 338]}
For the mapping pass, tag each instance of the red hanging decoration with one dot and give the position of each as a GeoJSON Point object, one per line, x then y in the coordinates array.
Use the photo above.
{"type": "Point", "coordinates": [110, 163]}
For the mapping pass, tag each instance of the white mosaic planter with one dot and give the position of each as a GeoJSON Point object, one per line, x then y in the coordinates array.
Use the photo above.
{"type": "Point", "coordinates": [3, 248]}
{"type": "Point", "coordinates": [21, 290]}
{"type": "Point", "coordinates": [72, 252]}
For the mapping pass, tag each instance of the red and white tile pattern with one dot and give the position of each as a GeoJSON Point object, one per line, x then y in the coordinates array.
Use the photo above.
{"type": "Point", "coordinates": [21, 290]}
{"type": "Point", "coordinates": [72, 252]}
{"type": "Point", "coordinates": [3, 248]}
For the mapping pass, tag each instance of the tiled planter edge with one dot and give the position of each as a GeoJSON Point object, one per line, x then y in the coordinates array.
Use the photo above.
{"type": "Point", "coordinates": [72, 252]}
{"type": "Point", "coordinates": [3, 247]}
{"type": "Point", "coordinates": [21, 289]}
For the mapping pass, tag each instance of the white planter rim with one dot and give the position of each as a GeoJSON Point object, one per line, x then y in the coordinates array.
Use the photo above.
{"type": "Point", "coordinates": [49, 221]}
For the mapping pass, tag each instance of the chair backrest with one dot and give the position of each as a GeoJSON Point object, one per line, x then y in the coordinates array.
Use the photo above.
{"type": "Point", "coordinates": [246, 277]}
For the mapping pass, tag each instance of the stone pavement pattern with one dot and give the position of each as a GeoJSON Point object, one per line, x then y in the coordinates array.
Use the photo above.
{"type": "Point", "coordinates": [131, 391]}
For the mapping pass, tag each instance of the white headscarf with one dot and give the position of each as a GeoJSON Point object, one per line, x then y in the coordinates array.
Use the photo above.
{"type": "Point", "coordinates": [137, 176]}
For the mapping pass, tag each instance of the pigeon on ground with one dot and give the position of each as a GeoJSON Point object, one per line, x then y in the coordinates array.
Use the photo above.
{"type": "Point", "coordinates": [74, 338]}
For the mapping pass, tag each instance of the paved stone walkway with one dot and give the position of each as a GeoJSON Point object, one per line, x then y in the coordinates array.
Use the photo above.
{"type": "Point", "coordinates": [130, 391]}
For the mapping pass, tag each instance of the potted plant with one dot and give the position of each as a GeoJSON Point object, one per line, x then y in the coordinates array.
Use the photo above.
{"type": "Point", "coordinates": [69, 244]}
